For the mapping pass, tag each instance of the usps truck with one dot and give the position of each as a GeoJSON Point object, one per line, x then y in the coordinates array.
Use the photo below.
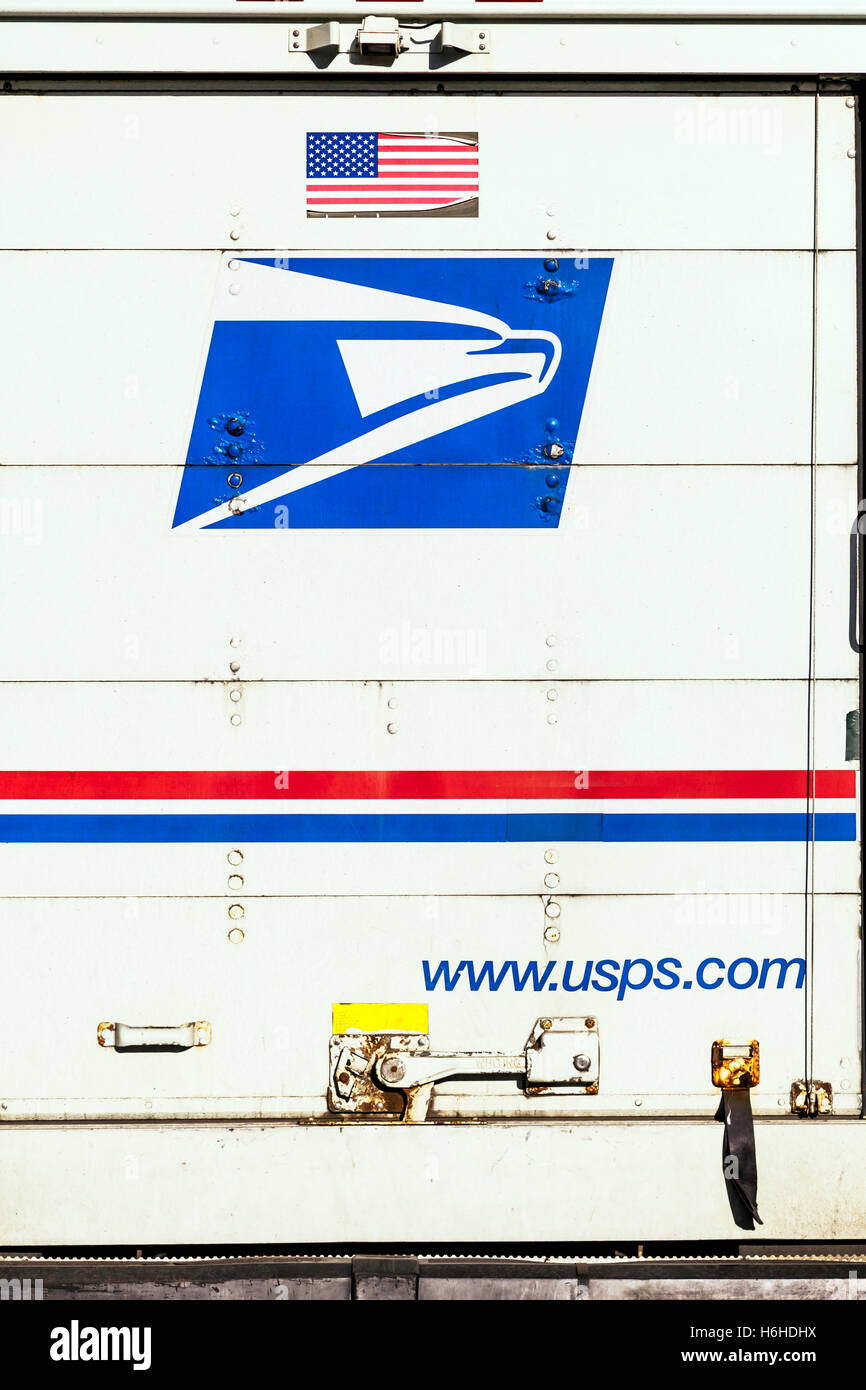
{"type": "Point", "coordinates": [430, 629]}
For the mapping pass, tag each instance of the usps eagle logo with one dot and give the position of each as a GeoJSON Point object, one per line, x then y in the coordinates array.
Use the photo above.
{"type": "Point", "coordinates": [382, 392]}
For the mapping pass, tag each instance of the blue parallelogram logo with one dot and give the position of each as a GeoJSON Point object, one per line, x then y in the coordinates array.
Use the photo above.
{"type": "Point", "coordinates": [322, 374]}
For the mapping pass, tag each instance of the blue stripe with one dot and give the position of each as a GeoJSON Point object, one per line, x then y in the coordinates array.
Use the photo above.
{"type": "Point", "coordinates": [427, 827]}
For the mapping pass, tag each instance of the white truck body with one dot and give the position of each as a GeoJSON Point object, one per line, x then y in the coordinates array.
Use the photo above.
{"type": "Point", "coordinates": [427, 624]}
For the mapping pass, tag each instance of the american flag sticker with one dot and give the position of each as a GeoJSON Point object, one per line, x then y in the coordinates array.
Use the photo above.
{"type": "Point", "coordinates": [362, 173]}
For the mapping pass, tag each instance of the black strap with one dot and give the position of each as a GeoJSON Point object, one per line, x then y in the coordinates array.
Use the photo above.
{"type": "Point", "coordinates": [739, 1161]}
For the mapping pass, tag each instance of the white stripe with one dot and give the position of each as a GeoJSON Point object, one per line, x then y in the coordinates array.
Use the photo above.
{"type": "Point", "coordinates": [426, 806]}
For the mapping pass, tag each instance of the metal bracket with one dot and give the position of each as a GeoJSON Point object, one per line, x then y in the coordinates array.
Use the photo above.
{"type": "Point", "coordinates": [315, 37]}
{"type": "Point", "coordinates": [379, 37]}
{"type": "Point", "coordinates": [811, 1098]}
{"type": "Point", "coordinates": [394, 1073]}
{"type": "Point", "coordinates": [735, 1066]}
{"type": "Point", "coordinates": [463, 38]}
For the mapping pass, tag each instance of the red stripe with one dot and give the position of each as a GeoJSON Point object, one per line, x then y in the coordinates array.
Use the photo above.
{"type": "Point", "coordinates": [393, 188]}
{"type": "Point", "coordinates": [398, 180]}
{"type": "Point", "coordinates": [430, 146]}
{"type": "Point", "coordinates": [427, 785]}
{"type": "Point", "coordinates": [402, 201]}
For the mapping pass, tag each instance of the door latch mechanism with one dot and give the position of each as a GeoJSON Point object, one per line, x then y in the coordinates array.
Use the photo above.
{"type": "Point", "coordinates": [395, 1073]}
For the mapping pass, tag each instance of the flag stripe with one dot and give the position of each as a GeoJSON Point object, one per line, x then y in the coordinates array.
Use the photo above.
{"type": "Point", "coordinates": [433, 202]}
{"type": "Point", "coordinates": [427, 148]}
{"type": "Point", "coordinates": [393, 188]}
{"type": "Point", "coordinates": [450, 160]}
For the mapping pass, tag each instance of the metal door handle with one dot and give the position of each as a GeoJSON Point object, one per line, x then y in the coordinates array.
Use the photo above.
{"type": "Point", "coordinates": [150, 1038]}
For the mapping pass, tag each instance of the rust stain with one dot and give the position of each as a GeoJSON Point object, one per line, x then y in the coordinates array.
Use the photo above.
{"type": "Point", "coordinates": [735, 1066]}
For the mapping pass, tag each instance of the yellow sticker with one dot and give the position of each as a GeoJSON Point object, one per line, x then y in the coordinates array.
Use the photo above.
{"type": "Point", "coordinates": [380, 1018]}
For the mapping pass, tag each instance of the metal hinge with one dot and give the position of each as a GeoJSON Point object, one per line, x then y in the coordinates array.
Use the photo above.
{"type": "Point", "coordinates": [811, 1098]}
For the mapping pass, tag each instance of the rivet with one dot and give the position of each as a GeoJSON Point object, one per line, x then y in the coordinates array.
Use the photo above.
{"type": "Point", "coordinates": [852, 154]}
{"type": "Point", "coordinates": [550, 640]}
{"type": "Point", "coordinates": [481, 47]}
{"type": "Point", "coordinates": [234, 289]}
{"type": "Point", "coordinates": [849, 102]}
{"type": "Point", "coordinates": [235, 695]}
{"type": "Point", "coordinates": [552, 234]}
{"type": "Point", "coordinates": [554, 450]}
{"type": "Point", "coordinates": [638, 1101]}
{"type": "Point", "coordinates": [482, 35]}
{"type": "Point", "coordinates": [295, 44]}
{"type": "Point", "coordinates": [392, 728]}
{"type": "Point", "coordinates": [296, 33]}
{"type": "Point", "coordinates": [551, 880]}
{"type": "Point", "coordinates": [551, 265]}
{"type": "Point", "coordinates": [235, 211]}
{"type": "Point", "coordinates": [552, 910]}
{"type": "Point", "coordinates": [234, 641]}
{"type": "Point", "coordinates": [553, 693]}
{"type": "Point", "coordinates": [582, 1062]}
{"type": "Point", "coordinates": [235, 856]}
{"type": "Point", "coordinates": [234, 265]}
{"type": "Point", "coordinates": [235, 719]}
{"type": "Point", "coordinates": [236, 935]}
{"type": "Point", "coordinates": [552, 665]}
{"type": "Point", "coordinates": [550, 856]}
{"type": "Point", "coordinates": [234, 665]}
{"type": "Point", "coordinates": [236, 911]}
{"type": "Point", "coordinates": [234, 479]}
{"type": "Point", "coordinates": [392, 703]}
{"type": "Point", "coordinates": [551, 212]}
{"type": "Point", "coordinates": [845, 1084]}
{"type": "Point", "coordinates": [235, 234]}
{"type": "Point", "coordinates": [551, 934]}
{"type": "Point", "coordinates": [546, 1023]}
{"type": "Point", "coordinates": [552, 719]}
{"type": "Point", "coordinates": [236, 881]}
